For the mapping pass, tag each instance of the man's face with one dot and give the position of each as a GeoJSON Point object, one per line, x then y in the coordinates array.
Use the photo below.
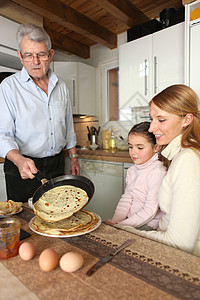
{"type": "Point", "coordinates": [36, 67]}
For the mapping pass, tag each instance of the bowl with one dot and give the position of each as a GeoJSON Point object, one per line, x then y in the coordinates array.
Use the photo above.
{"type": "Point", "coordinates": [122, 147]}
{"type": "Point", "coordinates": [94, 146]}
{"type": "Point", "coordinates": [122, 144]}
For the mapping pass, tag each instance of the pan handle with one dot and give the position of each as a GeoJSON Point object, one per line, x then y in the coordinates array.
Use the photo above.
{"type": "Point", "coordinates": [40, 177]}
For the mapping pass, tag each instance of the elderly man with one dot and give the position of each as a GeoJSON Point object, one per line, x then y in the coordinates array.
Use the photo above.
{"type": "Point", "coordinates": [36, 121]}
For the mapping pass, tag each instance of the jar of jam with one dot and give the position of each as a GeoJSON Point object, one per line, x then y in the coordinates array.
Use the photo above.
{"type": "Point", "coordinates": [9, 237]}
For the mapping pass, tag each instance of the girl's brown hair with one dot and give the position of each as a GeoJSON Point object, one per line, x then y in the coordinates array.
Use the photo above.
{"type": "Point", "coordinates": [143, 129]}
{"type": "Point", "coordinates": [181, 100]}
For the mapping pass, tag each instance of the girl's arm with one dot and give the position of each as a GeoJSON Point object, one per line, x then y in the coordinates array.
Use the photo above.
{"type": "Point", "coordinates": [125, 202]}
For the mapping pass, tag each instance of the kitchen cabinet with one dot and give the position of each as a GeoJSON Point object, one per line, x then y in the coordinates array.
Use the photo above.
{"type": "Point", "coordinates": [107, 178]}
{"type": "Point", "coordinates": [8, 30]}
{"type": "Point", "coordinates": [8, 44]}
{"type": "Point", "coordinates": [150, 64]}
{"type": "Point", "coordinates": [81, 82]}
{"type": "Point", "coordinates": [194, 57]}
{"type": "Point", "coordinates": [191, 44]}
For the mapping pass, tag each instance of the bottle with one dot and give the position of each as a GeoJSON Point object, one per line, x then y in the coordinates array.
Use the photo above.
{"type": "Point", "coordinates": [112, 141]}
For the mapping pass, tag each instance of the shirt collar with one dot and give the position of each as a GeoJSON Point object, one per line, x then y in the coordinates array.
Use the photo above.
{"type": "Point", "coordinates": [25, 77]}
{"type": "Point", "coordinates": [173, 148]}
{"type": "Point", "coordinates": [147, 163]}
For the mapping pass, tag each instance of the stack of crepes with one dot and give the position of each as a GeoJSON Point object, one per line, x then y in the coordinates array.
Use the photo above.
{"type": "Point", "coordinates": [10, 207]}
{"type": "Point", "coordinates": [59, 212]}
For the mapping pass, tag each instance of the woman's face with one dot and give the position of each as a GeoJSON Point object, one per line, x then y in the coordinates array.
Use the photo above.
{"type": "Point", "coordinates": [165, 126]}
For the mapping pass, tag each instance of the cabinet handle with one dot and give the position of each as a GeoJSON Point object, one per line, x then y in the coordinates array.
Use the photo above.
{"type": "Point", "coordinates": [73, 87]}
{"type": "Point", "coordinates": [155, 74]}
{"type": "Point", "coordinates": [145, 77]}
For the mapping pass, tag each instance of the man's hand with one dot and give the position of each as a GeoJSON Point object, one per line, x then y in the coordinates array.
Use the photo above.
{"type": "Point", "coordinates": [26, 166]}
{"type": "Point", "coordinates": [75, 167]}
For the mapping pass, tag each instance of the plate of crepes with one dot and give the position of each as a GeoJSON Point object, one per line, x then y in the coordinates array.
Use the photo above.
{"type": "Point", "coordinates": [10, 208]}
{"type": "Point", "coordinates": [59, 210]}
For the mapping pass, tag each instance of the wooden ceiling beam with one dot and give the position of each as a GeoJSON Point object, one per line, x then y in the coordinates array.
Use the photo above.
{"type": "Point", "coordinates": [63, 43]}
{"type": "Point", "coordinates": [176, 3]}
{"type": "Point", "coordinates": [124, 10]}
{"type": "Point", "coordinates": [71, 19]}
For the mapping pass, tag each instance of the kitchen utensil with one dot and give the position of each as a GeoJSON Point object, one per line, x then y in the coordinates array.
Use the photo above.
{"type": "Point", "coordinates": [89, 133]}
{"type": "Point", "coordinates": [98, 130]}
{"type": "Point", "coordinates": [76, 180]}
{"type": "Point", "coordinates": [107, 258]}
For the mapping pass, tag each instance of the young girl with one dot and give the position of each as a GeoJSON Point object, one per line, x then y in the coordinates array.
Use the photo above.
{"type": "Point", "coordinates": [138, 206]}
{"type": "Point", "coordinates": [176, 125]}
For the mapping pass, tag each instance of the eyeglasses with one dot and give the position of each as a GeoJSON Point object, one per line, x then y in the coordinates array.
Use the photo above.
{"type": "Point", "coordinates": [42, 56]}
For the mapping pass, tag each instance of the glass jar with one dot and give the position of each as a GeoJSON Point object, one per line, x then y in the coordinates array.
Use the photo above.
{"type": "Point", "coordinates": [9, 237]}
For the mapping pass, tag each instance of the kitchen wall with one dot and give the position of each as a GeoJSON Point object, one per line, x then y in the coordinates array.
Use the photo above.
{"type": "Point", "coordinates": [80, 127]}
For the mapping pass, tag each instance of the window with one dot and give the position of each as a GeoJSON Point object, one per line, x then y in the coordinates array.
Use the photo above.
{"type": "Point", "coordinates": [110, 91]}
{"type": "Point", "coordinates": [113, 94]}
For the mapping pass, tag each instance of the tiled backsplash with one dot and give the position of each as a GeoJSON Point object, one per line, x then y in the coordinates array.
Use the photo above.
{"type": "Point", "coordinates": [121, 128]}
{"type": "Point", "coordinates": [80, 127]}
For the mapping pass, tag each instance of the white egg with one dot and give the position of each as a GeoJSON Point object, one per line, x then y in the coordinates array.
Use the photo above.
{"type": "Point", "coordinates": [71, 262]}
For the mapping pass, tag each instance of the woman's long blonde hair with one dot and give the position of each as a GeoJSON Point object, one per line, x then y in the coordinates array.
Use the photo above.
{"type": "Point", "coordinates": [181, 100]}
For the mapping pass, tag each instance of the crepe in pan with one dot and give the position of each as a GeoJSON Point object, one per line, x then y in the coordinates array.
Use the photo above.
{"type": "Point", "coordinates": [60, 203]}
{"type": "Point", "coordinates": [81, 221]}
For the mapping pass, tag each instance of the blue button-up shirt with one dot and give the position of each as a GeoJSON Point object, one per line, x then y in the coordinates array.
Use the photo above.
{"type": "Point", "coordinates": [32, 122]}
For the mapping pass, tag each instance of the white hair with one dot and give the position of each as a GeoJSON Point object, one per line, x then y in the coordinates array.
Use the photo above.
{"type": "Point", "coordinates": [34, 33]}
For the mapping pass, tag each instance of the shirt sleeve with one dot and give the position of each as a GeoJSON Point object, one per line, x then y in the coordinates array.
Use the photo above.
{"type": "Point", "coordinates": [7, 128]}
{"type": "Point", "coordinates": [151, 206]}
{"type": "Point", "coordinates": [184, 218]}
{"type": "Point", "coordinates": [124, 204]}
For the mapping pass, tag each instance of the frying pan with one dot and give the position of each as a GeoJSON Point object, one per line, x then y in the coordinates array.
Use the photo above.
{"type": "Point", "coordinates": [75, 180]}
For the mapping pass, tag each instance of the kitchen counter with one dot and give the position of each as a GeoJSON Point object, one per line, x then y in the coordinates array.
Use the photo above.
{"type": "Point", "coordinates": [107, 155]}
{"type": "Point", "coordinates": [144, 270]}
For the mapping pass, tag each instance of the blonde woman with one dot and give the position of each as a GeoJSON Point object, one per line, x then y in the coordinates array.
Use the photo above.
{"type": "Point", "coordinates": [175, 122]}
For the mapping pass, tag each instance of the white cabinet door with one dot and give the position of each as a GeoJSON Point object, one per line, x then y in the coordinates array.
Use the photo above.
{"type": "Point", "coordinates": [67, 71]}
{"type": "Point", "coordinates": [150, 64]}
{"type": "Point", "coordinates": [8, 30]}
{"type": "Point", "coordinates": [168, 57]}
{"type": "Point", "coordinates": [86, 89]}
{"type": "Point", "coordinates": [135, 59]}
{"type": "Point", "coordinates": [194, 58]}
{"type": "Point", "coordinates": [81, 82]}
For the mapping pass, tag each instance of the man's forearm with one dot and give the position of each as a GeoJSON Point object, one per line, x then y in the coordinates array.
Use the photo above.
{"type": "Point", "coordinates": [14, 156]}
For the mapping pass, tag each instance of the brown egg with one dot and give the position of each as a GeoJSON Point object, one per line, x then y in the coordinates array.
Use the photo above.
{"type": "Point", "coordinates": [27, 251]}
{"type": "Point", "coordinates": [71, 262]}
{"type": "Point", "coordinates": [48, 260]}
